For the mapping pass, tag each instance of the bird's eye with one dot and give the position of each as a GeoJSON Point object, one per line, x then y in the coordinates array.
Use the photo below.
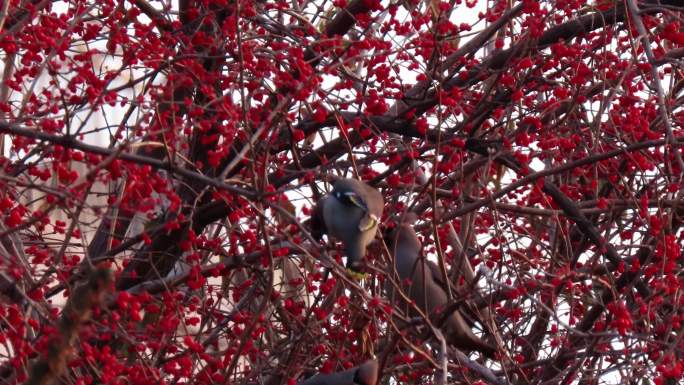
{"type": "Point", "coordinates": [350, 198]}
{"type": "Point", "coordinates": [344, 198]}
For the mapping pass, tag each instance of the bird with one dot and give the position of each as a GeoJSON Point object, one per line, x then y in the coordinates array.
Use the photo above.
{"type": "Point", "coordinates": [364, 374]}
{"type": "Point", "coordinates": [349, 213]}
{"type": "Point", "coordinates": [421, 281]}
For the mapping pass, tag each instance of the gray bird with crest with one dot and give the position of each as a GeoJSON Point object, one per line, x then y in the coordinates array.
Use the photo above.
{"type": "Point", "coordinates": [350, 214]}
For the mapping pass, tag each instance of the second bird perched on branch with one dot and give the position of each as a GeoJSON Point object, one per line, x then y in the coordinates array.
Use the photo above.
{"type": "Point", "coordinates": [422, 282]}
{"type": "Point", "coordinates": [350, 214]}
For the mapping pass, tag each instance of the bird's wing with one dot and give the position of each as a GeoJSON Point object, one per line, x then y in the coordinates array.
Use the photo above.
{"type": "Point", "coordinates": [438, 277]}
{"type": "Point", "coordinates": [436, 273]}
